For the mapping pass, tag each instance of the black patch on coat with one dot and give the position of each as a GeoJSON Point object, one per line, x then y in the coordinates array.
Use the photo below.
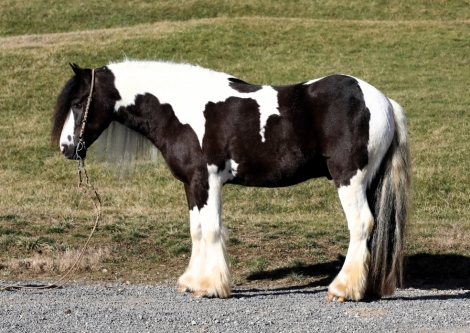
{"type": "Point", "coordinates": [178, 143]}
{"type": "Point", "coordinates": [233, 132]}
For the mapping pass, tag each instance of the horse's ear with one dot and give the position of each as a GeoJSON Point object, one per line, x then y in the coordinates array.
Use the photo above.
{"type": "Point", "coordinates": [76, 69]}
{"type": "Point", "coordinates": [83, 73]}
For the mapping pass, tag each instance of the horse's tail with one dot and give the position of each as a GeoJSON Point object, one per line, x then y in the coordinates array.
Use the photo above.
{"type": "Point", "coordinates": [388, 196]}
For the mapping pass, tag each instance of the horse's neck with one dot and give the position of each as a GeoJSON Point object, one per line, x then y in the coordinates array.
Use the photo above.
{"type": "Point", "coordinates": [151, 122]}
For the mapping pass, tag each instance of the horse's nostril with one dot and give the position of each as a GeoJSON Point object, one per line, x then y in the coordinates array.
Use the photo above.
{"type": "Point", "coordinates": [67, 151]}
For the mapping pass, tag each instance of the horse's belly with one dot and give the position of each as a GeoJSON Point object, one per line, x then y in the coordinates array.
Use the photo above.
{"type": "Point", "coordinates": [279, 174]}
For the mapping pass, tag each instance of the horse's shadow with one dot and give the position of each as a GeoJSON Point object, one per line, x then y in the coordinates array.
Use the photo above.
{"type": "Point", "coordinates": [422, 271]}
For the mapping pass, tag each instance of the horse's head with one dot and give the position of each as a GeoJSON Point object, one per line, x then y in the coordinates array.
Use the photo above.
{"type": "Point", "coordinates": [70, 110]}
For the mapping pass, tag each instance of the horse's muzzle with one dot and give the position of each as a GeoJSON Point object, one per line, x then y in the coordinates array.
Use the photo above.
{"type": "Point", "coordinates": [72, 153]}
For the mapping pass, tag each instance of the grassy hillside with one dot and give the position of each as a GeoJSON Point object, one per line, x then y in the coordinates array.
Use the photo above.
{"type": "Point", "coordinates": [415, 52]}
{"type": "Point", "coordinates": [45, 16]}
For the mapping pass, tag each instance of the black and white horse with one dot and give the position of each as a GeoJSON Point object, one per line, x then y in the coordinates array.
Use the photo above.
{"type": "Point", "coordinates": [213, 129]}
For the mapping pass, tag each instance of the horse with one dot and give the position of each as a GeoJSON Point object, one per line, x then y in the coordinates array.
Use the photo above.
{"type": "Point", "coordinates": [214, 129]}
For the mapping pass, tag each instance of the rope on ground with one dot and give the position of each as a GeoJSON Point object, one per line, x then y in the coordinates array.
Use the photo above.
{"type": "Point", "coordinates": [89, 190]}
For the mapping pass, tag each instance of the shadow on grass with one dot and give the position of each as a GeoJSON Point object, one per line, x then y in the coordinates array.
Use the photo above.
{"type": "Point", "coordinates": [422, 271]}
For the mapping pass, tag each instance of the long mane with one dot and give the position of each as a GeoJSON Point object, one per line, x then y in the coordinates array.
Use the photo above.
{"type": "Point", "coordinates": [62, 108]}
{"type": "Point", "coordinates": [120, 148]}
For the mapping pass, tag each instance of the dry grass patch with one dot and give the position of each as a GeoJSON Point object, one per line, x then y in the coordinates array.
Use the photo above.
{"type": "Point", "coordinates": [443, 237]}
{"type": "Point", "coordinates": [53, 263]}
{"type": "Point", "coordinates": [162, 29]}
{"type": "Point", "coordinates": [101, 36]}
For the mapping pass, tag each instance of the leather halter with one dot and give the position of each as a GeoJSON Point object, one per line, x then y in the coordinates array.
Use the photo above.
{"type": "Point", "coordinates": [81, 142]}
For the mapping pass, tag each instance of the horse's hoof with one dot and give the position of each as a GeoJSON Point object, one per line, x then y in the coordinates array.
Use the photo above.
{"type": "Point", "coordinates": [199, 294]}
{"type": "Point", "coordinates": [331, 296]}
{"type": "Point", "coordinates": [182, 288]}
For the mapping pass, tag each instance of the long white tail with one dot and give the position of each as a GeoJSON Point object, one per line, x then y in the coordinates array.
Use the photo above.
{"type": "Point", "coordinates": [388, 197]}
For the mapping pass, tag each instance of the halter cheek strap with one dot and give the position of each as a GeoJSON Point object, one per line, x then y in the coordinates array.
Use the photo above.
{"type": "Point", "coordinates": [81, 142]}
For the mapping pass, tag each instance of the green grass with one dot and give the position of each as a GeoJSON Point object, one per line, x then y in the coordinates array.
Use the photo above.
{"type": "Point", "coordinates": [46, 16]}
{"type": "Point", "coordinates": [417, 52]}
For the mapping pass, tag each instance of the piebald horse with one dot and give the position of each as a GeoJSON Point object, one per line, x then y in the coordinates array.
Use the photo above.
{"type": "Point", "coordinates": [214, 129]}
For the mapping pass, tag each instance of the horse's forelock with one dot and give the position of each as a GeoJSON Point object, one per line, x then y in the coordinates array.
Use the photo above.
{"type": "Point", "coordinates": [62, 108]}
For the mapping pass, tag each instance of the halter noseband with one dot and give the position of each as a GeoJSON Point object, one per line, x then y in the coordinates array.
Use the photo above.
{"type": "Point", "coordinates": [81, 142]}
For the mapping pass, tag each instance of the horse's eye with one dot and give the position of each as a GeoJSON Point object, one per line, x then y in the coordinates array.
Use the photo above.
{"type": "Point", "coordinates": [77, 105]}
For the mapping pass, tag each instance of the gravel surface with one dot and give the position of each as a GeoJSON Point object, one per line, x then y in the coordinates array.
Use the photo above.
{"type": "Point", "coordinates": [148, 308]}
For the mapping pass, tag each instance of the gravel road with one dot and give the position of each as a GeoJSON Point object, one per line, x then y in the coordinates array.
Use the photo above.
{"type": "Point", "coordinates": [148, 308]}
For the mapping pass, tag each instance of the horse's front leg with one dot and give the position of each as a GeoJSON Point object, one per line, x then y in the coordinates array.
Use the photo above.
{"type": "Point", "coordinates": [208, 273]}
{"type": "Point", "coordinates": [190, 279]}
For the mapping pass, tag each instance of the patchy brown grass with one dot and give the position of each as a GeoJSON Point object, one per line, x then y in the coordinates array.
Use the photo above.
{"type": "Point", "coordinates": [112, 35]}
{"type": "Point", "coordinates": [41, 264]}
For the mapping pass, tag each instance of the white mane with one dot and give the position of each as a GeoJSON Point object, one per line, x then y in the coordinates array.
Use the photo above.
{"type": "Point", "coordinates": [121, 147]}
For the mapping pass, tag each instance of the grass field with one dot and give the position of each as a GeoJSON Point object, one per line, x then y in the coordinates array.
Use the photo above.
{"type": "Point", "coordinates": [417, 52]}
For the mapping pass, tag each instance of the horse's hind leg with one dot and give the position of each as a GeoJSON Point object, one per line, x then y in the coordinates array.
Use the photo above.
{"type": "Point", "coordinates": [351, 280]}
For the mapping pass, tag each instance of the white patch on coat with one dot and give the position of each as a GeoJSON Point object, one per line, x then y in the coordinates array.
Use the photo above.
{"type": "Point", "coordinates": [234, 167]}
{"type": "Point", "coordinates": [381, 126]}
{"type": "Point", "coordinates": [268, 105]}
{"type": "Point", "coordinates": [187, 88]}
{"type": "Point", "coordinates": [67, 131]}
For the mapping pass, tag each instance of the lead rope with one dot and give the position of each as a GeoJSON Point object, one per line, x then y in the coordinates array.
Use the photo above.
{"type": "Point", "coordinates": [95, 199]}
